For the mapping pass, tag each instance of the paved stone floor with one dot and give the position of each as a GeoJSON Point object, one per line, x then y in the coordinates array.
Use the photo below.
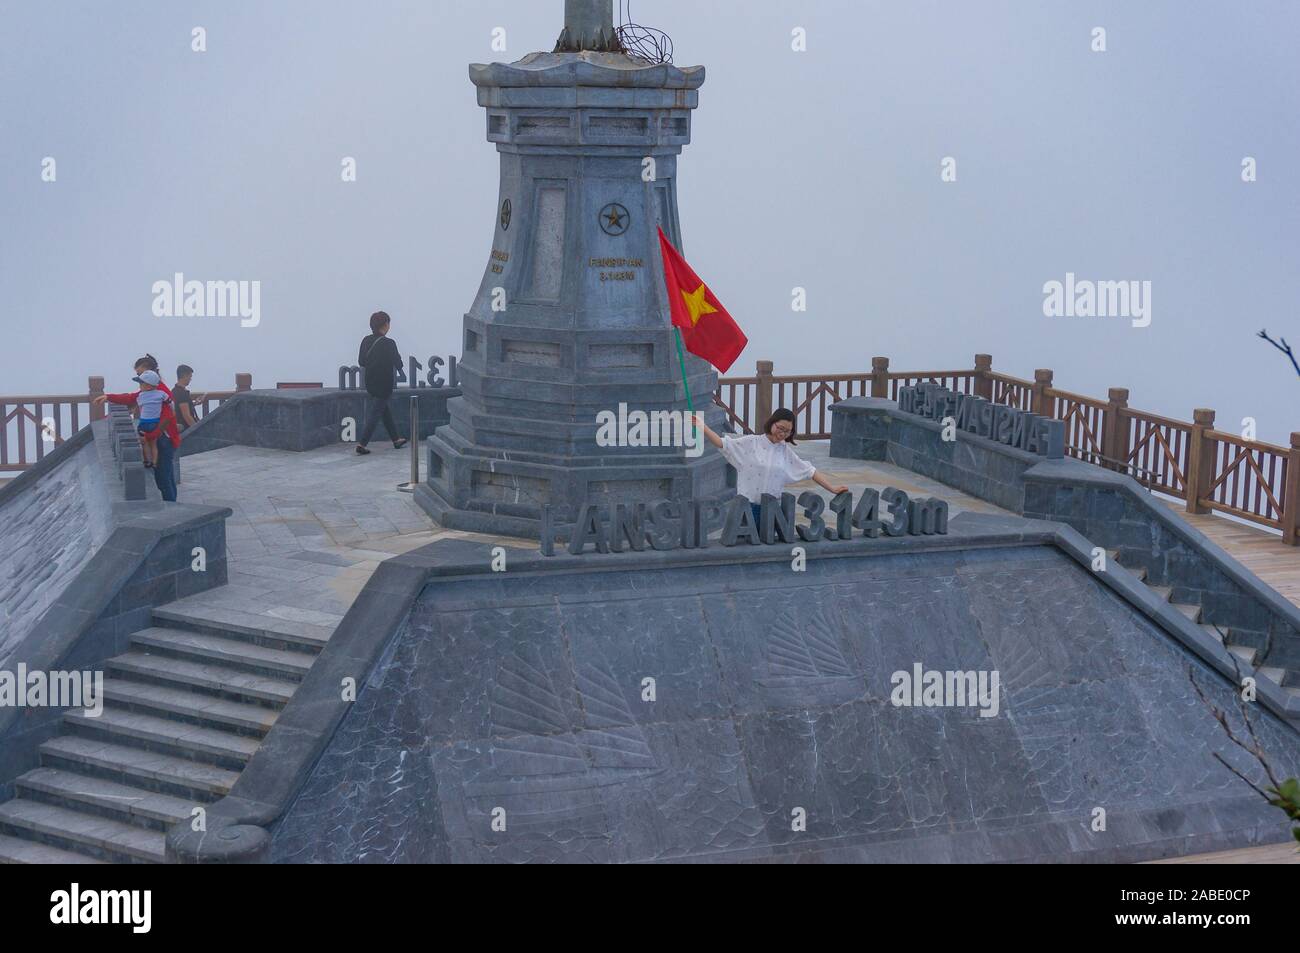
{"type": "Point", "coordinates": [858, 474]}
{"type": "Point", "coordinates": [309, 528]}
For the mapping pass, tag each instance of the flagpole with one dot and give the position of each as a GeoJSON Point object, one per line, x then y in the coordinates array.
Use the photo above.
{"type": "Point", "coordinates": [681, 359]}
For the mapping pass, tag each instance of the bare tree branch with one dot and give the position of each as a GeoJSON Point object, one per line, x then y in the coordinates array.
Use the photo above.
{"type": "Point", "coordinates": [1283, 347]}
{"type": "Point", "coordinates": [1253, 749]}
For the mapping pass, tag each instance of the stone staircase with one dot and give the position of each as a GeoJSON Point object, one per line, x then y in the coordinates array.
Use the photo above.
{"type": "Point", "coordinates": [184, 709]}
{"type": "Point", "coordinates": [1235, 640]}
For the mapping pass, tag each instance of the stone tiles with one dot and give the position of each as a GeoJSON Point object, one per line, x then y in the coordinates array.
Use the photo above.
{"type": "Point", "coordinates": [308, 529]}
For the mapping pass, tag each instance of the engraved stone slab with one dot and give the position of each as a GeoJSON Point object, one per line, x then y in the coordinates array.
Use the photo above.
{"type": "Point", "coordinates": [694, 712]}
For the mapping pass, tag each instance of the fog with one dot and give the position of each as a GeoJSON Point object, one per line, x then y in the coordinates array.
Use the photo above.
{"type": "Point", "coordinates": [818, 170]}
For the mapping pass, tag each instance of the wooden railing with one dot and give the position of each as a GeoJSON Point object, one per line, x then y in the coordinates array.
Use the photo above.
{"type": "Point", "coordinates": [1209, 469]}
{"type": "Point", "coordinates": [1083, 418]}
{"type": "Point", "coordinates": [749, 401]}
{"type": "Point", "coordinates": [1156, 450]}
{"type": "Point", "coordinates": [208, 401]}
{"type": "Point", "coordinates": [1011, 391]}
{"type": "Point", "coordinates": [1248, 479]}
{"type": "Point", "coordinates": [32, 426]}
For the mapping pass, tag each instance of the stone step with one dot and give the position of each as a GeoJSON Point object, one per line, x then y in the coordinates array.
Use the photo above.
{"type": "Point", "coordinates": [1212, 632]}
{"type": "Point", "coordinates": [1274, 674]}
{"type": "Point", "coordinates": [138, 766]}
{"type": "Point", "coordinates": [192, 707]}
{"type": "Point", "coordinates": [14, 850]}
{"type": "Point", "coordinates": [249, 626]}
{"type": "Point", "coordinates": [1193, 612]}
{"type": "Point", "coordinates": [92, 795]}
{"type": "Point", "coordinates": [174, 736]}
{"type": "Point", "coordinates": [104, 837]}
{"type": "Point", "coordinates": [164, 669]}
{"type": "Point", "coordinates": [245, 656]}
{"type": "Point", "coordinates": [1244, 652]}
{"type": "Point", "coordinates": [1139, 571]}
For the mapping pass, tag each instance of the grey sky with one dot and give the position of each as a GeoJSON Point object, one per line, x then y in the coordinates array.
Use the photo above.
{"type": "Point", "coordinates": [817, 169]}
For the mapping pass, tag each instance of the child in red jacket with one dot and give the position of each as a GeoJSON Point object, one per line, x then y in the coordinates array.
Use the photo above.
{"type": "Point", "coordinates": [156, 414]}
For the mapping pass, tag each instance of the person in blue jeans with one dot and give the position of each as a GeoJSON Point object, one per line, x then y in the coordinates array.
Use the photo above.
{"type": "Point", "coordinates": [164, 470]}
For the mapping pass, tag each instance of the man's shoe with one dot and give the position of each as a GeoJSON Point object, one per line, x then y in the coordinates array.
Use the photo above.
{"type": "Point", "coordinates": [399, 444]}
{"type": "Point", "coordinates": [362, 450]}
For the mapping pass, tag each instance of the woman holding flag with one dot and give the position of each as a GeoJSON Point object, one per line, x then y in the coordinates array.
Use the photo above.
{"type": "Point", "coordinates": [764, 462]}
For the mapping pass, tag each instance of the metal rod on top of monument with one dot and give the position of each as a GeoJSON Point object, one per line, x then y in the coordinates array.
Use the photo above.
{"type": "Point", "coordinates": [588, 25]}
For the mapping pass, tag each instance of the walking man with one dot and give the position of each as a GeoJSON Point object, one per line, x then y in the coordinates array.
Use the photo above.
{"type": "Point", "coordinates": [381, 361]}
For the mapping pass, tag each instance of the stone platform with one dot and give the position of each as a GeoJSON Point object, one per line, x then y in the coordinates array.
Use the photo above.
{"type": "Point", "coordinates": [520, 697]}
{"type": "Point", "coordinates": [523, 690]}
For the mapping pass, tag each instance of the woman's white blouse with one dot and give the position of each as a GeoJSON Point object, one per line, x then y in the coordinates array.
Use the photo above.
{"type": "Point", "coordinates": [763, 466]}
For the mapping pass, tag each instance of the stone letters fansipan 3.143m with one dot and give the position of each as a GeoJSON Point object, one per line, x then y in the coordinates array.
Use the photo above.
{"type": "Point", "coordinates": [687, 524]}
{"type": "Point", "coordinates": [983, 418]}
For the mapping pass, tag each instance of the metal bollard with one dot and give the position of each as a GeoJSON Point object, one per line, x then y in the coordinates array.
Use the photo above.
{"type": "Point", "coordinates": [415, 448]}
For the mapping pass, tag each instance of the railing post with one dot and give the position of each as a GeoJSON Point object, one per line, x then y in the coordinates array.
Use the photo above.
{"type": "Point", "coordinates": [763, 395]}
{"type": "Point", "coordinates": [1115, 429]}
{"type": "Point", "coordinates": [1291, 499]}
{"type": "Point", "coordinates": [983, 383]}
{"type": "Point", "coordinates": [1042, 404]}
{"type": "Point", "coordinates": [243, 382]}
{"type": "Point", "coordinates": [880, 377]}
{"type": "Point", "coordinates": [95, 389]}
{"type": "Point", "coordinates": [1200, 460]}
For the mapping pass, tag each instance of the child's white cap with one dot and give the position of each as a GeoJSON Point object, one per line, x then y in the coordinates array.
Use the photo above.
{"type": "Point", "coordinates": [148, 377]}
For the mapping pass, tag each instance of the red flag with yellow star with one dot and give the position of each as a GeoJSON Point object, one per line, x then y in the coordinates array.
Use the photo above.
{"type": "Point", "coordinates": [707, 329]}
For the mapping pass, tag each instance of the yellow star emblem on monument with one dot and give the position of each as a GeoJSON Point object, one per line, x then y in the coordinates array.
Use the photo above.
{"type": "Point", "coordinates": [696, 304]}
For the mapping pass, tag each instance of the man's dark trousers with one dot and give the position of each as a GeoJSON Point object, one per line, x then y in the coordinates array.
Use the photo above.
{"type": "Point", "coordinates": [164, 470]}
{"type": "Point", "coordinates": [378, 409]}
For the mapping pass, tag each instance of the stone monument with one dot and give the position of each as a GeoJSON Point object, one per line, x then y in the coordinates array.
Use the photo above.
{"type": "Point", "coordinates": [572, 318]}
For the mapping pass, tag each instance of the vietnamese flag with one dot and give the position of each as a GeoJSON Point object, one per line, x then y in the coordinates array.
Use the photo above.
{"type": "Point", "coordinates": [707, 329]}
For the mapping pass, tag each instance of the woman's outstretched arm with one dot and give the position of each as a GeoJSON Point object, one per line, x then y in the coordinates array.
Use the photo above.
{"type": "Point", "coordinates": [709, 435]}
{"type": "Point", "coordinates": [825, 484]}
